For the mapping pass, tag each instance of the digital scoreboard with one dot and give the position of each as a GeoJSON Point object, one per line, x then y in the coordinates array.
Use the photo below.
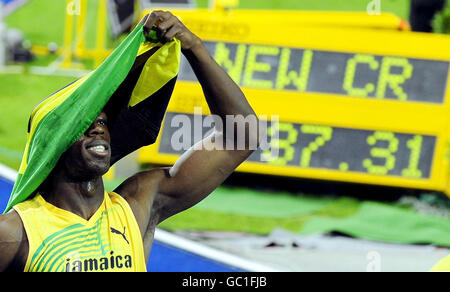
{"type": "Point", "coordinates": [355, 105]}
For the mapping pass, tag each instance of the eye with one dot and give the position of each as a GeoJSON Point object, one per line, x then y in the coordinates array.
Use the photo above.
{"type": "Point", "coordinates": [102, 123]}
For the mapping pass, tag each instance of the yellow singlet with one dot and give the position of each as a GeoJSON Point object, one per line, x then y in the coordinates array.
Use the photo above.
{"type": "Point", "coordinates": [442, 266]}
{"type": "Point", "coordinates": [60, 241]}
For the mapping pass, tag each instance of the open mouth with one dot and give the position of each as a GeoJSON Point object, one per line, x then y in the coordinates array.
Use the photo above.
{"type": "Point", "coordinates": [98, 150]}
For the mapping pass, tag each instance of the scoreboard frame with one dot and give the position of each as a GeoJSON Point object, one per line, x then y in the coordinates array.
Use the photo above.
{"type": "Point", "coordinates": [313, 108]}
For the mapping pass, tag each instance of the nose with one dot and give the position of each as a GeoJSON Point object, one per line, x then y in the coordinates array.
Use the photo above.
{"type": "Point", "coordinates": [95, 130]}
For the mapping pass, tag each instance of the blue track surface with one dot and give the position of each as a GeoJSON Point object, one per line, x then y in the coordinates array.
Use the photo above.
{"type": "Point", "coordinates": [164, 258]}
{"type": "Point", "coordinates": [7, 1]}
{"type": "Point", "coordinates": [5, 191]}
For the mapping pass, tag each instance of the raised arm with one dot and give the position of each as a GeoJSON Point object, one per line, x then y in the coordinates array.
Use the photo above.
{"type": "Point", "coordinates": [205, 166]}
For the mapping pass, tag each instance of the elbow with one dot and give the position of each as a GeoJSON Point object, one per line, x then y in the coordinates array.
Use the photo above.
{"type": "Point", "coordinates": [242, 132]}
{"type": "Point", "coordinates": [253, 137]}
{"type": "Point", "coordinates": [252, 132]}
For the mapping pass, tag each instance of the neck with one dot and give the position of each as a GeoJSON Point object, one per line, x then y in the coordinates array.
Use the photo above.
{"type": "Point", "coordinates": [82, 197]}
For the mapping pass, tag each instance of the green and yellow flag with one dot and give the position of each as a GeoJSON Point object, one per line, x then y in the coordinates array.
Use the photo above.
{"type": "Point", "coordinates": [133, 86]}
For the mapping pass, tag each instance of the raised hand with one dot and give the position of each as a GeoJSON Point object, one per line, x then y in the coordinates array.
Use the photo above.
{"type": "Point", "coordinates": [169, 27]}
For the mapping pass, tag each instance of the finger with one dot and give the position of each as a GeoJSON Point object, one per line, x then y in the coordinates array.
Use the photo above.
{"type": "Point", "coordinates": [157, 17]}
{"type": "Point", "coordinates": [172, 32]}
{"type": "Point", "coordinates": [152, 19]}
{"type": "Point", "coordinates": [167, 24]}
{"type": "Point", "coordinates": [164, 15]}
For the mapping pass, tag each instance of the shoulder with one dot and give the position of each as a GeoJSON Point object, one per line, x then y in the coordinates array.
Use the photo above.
{"type": "Point", "coordinates": [142, 184]}
{"type": "Point", "coordinates": [12, 238]}
{"type": "Point", "coordinates": [11, 226]}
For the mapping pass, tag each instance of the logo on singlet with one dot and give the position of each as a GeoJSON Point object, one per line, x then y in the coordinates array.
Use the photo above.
{"type": "Point", "coordinates": [99, 264]}
{"type": "Point", "coordinates": [115, 231]}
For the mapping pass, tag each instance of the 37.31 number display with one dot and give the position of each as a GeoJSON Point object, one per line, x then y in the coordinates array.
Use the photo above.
{"type": "Point", "coordinates": [334, 148]}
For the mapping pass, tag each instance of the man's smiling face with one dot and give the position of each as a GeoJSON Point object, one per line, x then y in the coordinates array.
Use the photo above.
{"type": "Point", "coordinates": [90, 155]}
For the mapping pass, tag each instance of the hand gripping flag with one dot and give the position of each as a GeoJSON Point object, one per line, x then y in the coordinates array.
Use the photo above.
{"type": "Point", "coordinates": [133, 86]}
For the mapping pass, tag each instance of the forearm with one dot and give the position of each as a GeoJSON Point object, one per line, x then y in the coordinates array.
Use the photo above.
{"type": "Point", "coordinates": [223, 95]}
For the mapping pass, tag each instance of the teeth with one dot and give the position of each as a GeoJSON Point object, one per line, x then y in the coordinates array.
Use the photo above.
{"type": "Point", "coordinates": [98, 148]}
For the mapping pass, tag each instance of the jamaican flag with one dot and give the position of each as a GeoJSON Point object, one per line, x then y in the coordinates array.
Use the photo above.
{"type": "Point", "coordinates": [133, 86]}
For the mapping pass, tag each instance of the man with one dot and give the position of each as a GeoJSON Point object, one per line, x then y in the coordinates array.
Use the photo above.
{"type": "Point", "coordinates": [72, 224]}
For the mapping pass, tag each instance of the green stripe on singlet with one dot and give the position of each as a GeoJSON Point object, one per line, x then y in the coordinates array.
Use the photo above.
{"type": "Point", "coordinates": [55, 236]}
{"type": "Point", "coordinates": [96, 250]}
{"type": "Point", "coordinates": [89, 240]}
{"type": "Point", "coordinates": [43, 251]}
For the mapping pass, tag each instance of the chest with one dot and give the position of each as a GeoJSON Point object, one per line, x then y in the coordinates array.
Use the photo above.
{"type": "Point", "coordinates": [84, 249]}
